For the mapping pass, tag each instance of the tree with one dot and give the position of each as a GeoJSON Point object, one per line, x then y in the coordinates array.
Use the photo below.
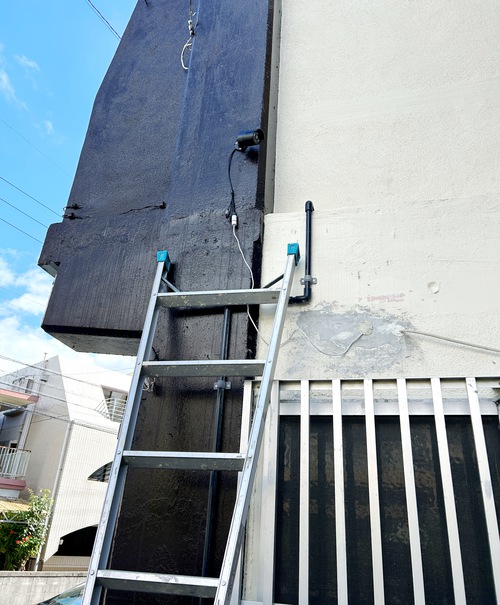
{"type": "Point", "coordinates": [21, 540]}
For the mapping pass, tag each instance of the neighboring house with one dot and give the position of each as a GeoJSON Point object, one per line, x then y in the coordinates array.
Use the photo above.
{"type": "Point", "coordinates": [58, 427]}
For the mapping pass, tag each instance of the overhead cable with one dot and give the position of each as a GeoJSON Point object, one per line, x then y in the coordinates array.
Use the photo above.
{"type": "Point", "coordinates": [28, 195]}
{"type": "Point", "coordinates": [35, 148]}
{"type": "Point", "coordinates": [103, 19]}
{"type": "Point", "coordinates": [38, 367]}
{"type": "Point", "coordinates": [22, 212]}
{"type": "Point", "coordinates": [14, 227]}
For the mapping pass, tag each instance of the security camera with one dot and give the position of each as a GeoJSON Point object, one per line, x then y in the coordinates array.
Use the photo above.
{"type": "Point", "coordinates": [248, 138]}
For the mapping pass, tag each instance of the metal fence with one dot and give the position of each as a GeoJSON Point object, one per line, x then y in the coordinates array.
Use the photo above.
{"type": "Point", "coordinates": [377, 491]}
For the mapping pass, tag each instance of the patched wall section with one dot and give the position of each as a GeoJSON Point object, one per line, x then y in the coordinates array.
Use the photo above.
{"type": "Point", "coordinates": [380, 274]}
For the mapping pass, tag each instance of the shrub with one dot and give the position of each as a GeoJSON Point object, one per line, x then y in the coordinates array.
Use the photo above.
{"type": "Point", "coordinates": [23, 539]}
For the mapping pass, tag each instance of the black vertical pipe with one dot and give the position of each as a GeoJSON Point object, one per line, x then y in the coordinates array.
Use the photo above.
{"type": "Point", "coordinates": [213, 488]}
{"type": "Point", "coordinates": [307, 275]}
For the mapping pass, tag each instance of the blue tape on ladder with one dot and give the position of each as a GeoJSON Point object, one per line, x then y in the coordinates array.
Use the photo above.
{"type": "Point", "coordinates": [162, 256]}
{"type": "Point", "coordinates": [294, 249]}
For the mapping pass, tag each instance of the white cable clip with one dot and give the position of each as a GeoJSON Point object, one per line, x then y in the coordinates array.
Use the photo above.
{"type": "Point", "coordinates": [191, 27]}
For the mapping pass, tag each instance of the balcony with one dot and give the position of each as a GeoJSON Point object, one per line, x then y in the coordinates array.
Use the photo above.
{"type": "Point", "coordinates": [13, 465]}
{"type": "Point", "coordinates": [112, 408]}
{"type": "Point", "coordinates": [13, 462]}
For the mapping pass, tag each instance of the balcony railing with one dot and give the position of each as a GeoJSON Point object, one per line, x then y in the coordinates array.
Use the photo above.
{"type": "Point", "coordinates": [112, 408]}
{"type": "Point", "coordinates": [13, 462]}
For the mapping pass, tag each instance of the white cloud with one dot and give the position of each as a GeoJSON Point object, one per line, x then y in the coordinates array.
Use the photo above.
{"type": "Point", "coordinates": [21, 337]}
{"type": "Point", "coordinates": [6, 275]}
{"type": "Point", "coordinates": [49, 127]}
{"type": "Point", "coordinates": [25, 62]}
{"type": "Point", "coordinates": [7, 89]}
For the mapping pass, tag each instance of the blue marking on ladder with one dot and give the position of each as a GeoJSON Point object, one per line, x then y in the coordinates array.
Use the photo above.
{"type": "Point", "coordinates": [294, 249]}
{"type": "Point", "coordinates": [162, 257]}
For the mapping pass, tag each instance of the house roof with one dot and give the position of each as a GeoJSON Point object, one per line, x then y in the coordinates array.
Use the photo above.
{"type": "Point", "coordinates": [16, 398]}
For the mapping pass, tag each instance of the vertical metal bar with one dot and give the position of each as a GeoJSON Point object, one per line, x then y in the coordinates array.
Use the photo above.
{"type": "Point", "coordinates": [411, 496]}
{"type": "Point", "coordinates": [448, 493]}
{"type": "Point", "coordinates": [304, 493]}
{"type": "Point", "coordinates": [246, 418]}
{"type": "Point", "coordinates": [268, 499]}
{"type": "Point", "coordinates": [486, 486]}
{"type": "Point", "coordinates": [109, 514]}
{"type": "Point", "coordinates": [376, 533]}
{"type": "Point", "coordinates": [338, 464]}
{"type": "Point", "coordinates": [236, 530]}
{"type": "Point", "coordinates": [213, 488]}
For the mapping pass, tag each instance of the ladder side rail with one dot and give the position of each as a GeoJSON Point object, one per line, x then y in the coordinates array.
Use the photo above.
{"type": "Point", "coordinates": [236, 530]}
{"type": "Point", "coordinates": [109, 514]}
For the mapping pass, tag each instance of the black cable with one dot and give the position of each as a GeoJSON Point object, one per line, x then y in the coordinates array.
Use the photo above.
{"type": "Point", "coordinates": [232, 205]}
{"type": "Point", "coordinates": [105, 21]}
{"type": "Point", "coordinates": [11, 225]}
{"type": "Point", "coordinates": [22, 212]}
{"type": "Point", "coordinates": [28, 195]}
{"type": "Point", "coordinates": [275, 280]}
{"type": "Point", "coordinates": [34, 147]}
{"type": "Point", "coordinates": [25, 297]}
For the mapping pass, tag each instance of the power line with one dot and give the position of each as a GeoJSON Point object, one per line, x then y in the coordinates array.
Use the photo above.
{"type": "Point", "coordinates": [104, 20]}
{"type": "Point", "coordinates": [11, 225]}
{"type": "Point", "coordinates": [22, 212]}
{"type": "Point", "coordinates": [54, 398]}
{"type": "Point", "coordinates": [28, 195]}
{"type": "Point", "coordinates": [61, 418]}
{"type": "Point", "coordinates": [38, 367]}
{"type": "Point", "coordinates": [35, 302]}
{"type": "Point", "coordinates": [34, 147]}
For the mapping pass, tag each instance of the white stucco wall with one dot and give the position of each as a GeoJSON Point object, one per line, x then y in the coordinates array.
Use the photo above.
{"type": "Point", "coordinates": [79, 501]}
{"type": "Point", "coordinates": [388, 121]}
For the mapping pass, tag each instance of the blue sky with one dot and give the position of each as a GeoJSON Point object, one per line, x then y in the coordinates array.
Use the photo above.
{"type": "Point", "coordinates": [53, 57]}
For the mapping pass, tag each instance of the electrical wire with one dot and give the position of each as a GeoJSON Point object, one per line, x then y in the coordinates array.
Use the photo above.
{"type": "Point", "coordinates": [55, 398]}
{"type": "Point", "coordinates": [22, 212]}
{"type": "Point", "coordinates": [232, 205]}
{"type": "Point", "coordinates": [67, 420]}
{"type": "Point", "coordinates": [35, 302]}
{"type": "Point", "coordinates": [35, 148]}
{"type": "Point", "coordinates": [53, 387]}
{"type": "Point", "coordinates": [37, 367]}
{"type": "Point", "coordinates": [103, 19]}
{"type": "Point", "coordinates": [192, 29]}
{"type": "Point", "coordinates": [14, 227]}
{"type": "Point", "coordinates": [52, 397]}
{"type": "Point", "coordinates": [452, 340]}
{"type": "Point", "coordinates": [252, 281]}
{"type": "Point", "coordinates": [339, 354]}
{"type": "Point", "coordinates": [28, 195]}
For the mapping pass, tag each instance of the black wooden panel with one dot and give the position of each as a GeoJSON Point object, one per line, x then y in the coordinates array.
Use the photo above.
{"type": "Point", "coordinates": [153, 171]}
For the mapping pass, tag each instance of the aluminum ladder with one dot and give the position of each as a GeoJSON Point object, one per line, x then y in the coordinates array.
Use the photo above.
{"type": "Point", "coordinates": [220, 588]}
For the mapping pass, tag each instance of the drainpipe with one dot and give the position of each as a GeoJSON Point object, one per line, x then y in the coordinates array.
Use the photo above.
{"type": "Point", "coordinates": [220, 386]}
{"type": "Point", "coordinates": [307, 279]}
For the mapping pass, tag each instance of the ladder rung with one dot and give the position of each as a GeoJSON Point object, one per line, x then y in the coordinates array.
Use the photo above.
{"type": "Point", "coordinates": [222, 298]}
{"type": "Point", "coordinates": [185, 460]}
{"type": "Point", "coordinates": [240, 367]}
{"type": "Point", "coordinates": [140, 581]}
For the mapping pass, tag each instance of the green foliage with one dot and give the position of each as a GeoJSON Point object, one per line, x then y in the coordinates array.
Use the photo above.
{"type": "Point", "coordinates": [20, 541]}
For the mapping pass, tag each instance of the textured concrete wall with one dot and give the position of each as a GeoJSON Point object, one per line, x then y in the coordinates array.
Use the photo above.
{"type": "Point", "coordinates": [391, 126]}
